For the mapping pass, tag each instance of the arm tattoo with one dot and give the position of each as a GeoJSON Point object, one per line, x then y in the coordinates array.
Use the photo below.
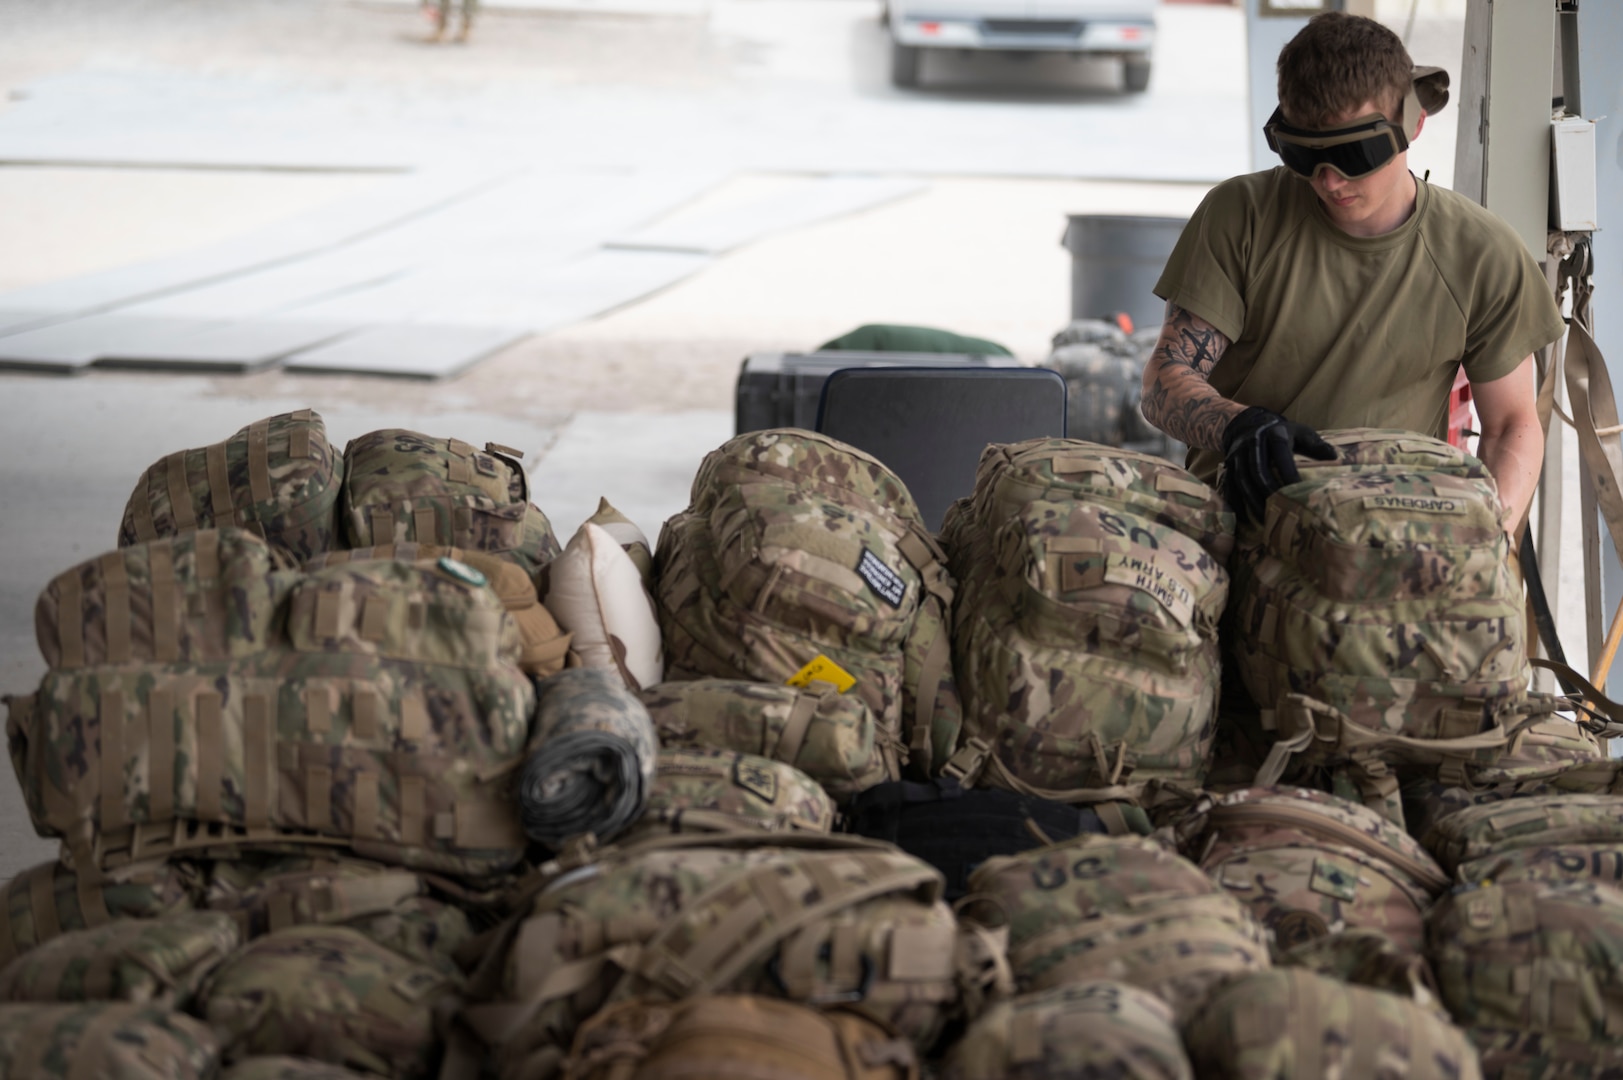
{"type": "Point", "coordinates": [1178, 399]}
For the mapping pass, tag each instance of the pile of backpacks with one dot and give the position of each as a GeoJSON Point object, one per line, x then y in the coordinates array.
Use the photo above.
{"type": "Point", "coordinates": [357, 771]}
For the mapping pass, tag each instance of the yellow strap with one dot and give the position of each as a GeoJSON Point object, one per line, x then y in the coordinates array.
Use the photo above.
{"type": "Point", "coordinates": [210, 756]}
{"type": "Point", "coordinates": [70, 620]}
{"type": "Point", "coordinates": [259, 481]}
{"type": "Point", "coordinates": [180, 492]}
{"type": "Point", "coordinates": [258, 760]}
{"type": "Point", "coordinates": [220, 504]}
{"type": "Point", "coordinates": [116, 588]}
{"type": "Point", "coordinates": [161, 755]}
{"type": "Point", "coordinates": [165, 603]}
{"type": "Point", "coordinates": [112, 760]}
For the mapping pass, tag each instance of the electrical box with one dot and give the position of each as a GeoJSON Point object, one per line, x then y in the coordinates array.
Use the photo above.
{"type": "Point", "coordinates": [1572, 175]}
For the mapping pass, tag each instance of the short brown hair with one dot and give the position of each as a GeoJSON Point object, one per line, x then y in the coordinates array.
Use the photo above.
{"type": "Point", "coordinates": [1336, 63]}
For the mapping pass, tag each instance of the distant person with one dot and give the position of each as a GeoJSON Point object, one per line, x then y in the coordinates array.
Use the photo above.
{"type": "Point", "coordinates": [440, 12]}
{"type": "Point", "coordinates": [1338, 290]}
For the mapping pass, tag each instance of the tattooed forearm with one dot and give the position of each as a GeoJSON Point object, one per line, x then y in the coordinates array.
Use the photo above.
{"type": "Point", "coordinates": [1178, 399]}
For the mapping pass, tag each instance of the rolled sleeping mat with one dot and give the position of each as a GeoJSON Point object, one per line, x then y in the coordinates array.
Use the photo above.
{"type": "Point", "coordinates": [592, 758]}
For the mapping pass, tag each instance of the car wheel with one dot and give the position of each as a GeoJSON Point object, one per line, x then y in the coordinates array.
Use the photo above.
{"type": "Point", "coordinates": [1136, 76]}
{"type": "Point", "coordinates": [904, 64]}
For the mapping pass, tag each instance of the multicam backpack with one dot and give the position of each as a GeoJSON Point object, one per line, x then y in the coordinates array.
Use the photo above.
{"type": "Point", "coordinates": [1378, 595]}
{"type": "Point", "coordinates": [801, 558]}
{"type": "Point", "coordinates": [722, 791]}
{"type": "Point", "coordinates": [1086, 628]}
{"type": "Point", "coordinates": [330, 993]}
{"type": "Point", "coordinates": [1121, 908]}
{"type": "Point", "coordinates": [1534, 970]}
{"type": "Point", "coordinates": [1544, 837]}
{"type": "Point", "coordinates": [159, 961]}
{"type": "Point", "coordinates": [381, 711]}
{"type": "Point", "coordinates": [106, 1040]}
{"type": "Point", "coordinates": [401, 486]}
{"type": "Point", "coordinates": [47, 900]}
{"type": "Point", "coordinates": [277, 477]}
{"type": "Point", "coordinates": [1290, 1024]}
{"type": "Point", "coordinates": [739, 1037]}
{"type": "Point", "coordinates": [1309, 864]}
{"type": "Point", "coordinates": [809, 918]}
{"type": "Point", "coordinates": [829, 736]}
{"type": "Point", "coordinates": [1083, 1029]}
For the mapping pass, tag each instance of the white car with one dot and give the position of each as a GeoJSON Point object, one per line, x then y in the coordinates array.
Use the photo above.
{"type": "Point", "coordinates": [1120, 28]}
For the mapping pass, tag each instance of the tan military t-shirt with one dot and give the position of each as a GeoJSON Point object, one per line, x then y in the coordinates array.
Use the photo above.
{"type": "Point", "coordinates": [1341, 331]}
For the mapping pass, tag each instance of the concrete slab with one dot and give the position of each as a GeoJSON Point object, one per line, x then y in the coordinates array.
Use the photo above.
{"type": "Point", "coordinates": [69, 345]}
{"type": "Point", "coordinates": [416, 351]}
{"type": "Point", "coordinates": [233, 347]}
{"type": "Point", "coordinates": [22, 319]}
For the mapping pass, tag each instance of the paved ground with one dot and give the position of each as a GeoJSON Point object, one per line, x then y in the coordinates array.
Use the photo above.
{"type": "Point", "coordinates": [623, 405]}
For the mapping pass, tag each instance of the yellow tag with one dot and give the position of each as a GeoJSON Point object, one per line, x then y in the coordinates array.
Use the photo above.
{"type": "Point", "coordinates": [822, 669]}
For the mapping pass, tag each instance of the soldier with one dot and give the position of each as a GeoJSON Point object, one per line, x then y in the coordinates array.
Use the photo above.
{"type": "Point", "coordinates": [1341, 291]}
{"type": "Point", "coordinates": [440, 12]}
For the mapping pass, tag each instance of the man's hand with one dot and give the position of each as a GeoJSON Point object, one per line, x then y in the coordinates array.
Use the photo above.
{"type": "Point", "coordinates": [1259, 458]}
{"type": "Point", "coordinates": [1512, 443]}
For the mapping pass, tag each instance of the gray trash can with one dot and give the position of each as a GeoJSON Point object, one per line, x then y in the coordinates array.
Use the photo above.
{"type": "Point", "coordinates": [1115, 262]}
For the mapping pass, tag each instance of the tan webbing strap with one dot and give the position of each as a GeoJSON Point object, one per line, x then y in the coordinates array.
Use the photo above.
{"type": "Point", "coordinates": [328, 604]}
{"type": "Point", "coordinates": [934, 671]}
{"type": "Point", "coordinates": [1114, 820]}
{"type": "Point", "coordinates": [365, 819]}
{"type": "Point", "coordinates": [112, 760]}
{"type": "Point", "coordinates": [259, 763]}
{"type": "Point", "coordinates": [145, 528]}
{"type": "Point", "coordinates": [1165, 482]}
{"type": "Point", "coordinates": [1026, 1042]}
{"type": "Point", "coordinates": [115, 580]}
{"type": "Point", "coordinates": [318, 798]}
{"type": "Point", "coordinates": [161, 755]}
{"type": "Point", "coordinates": [206, 550]}
{"type": "Point", "coordinates": [1307, 1029]}
{"type": "Point", "coordinates": [801, 714]}
{"type": "Point", "coordinates": [42, 902]}
{"type": "Point", "coordinates": [413, 812]}
{"type": "Point", "coordinates": [484, 823]}
{"type": "Point", "coordinates": [462, 525]}
{"type": "Point", "coordinates": [364, 708]}
{"type": "Point", "coordinates": [210, 756]}
{"type": "Point", "coordinates": [92, 902]}
{"type": "Point", "coordinates": [259, 481]}
{"type": "Point", "coordinates": [180, 492]}
{"type": "Point", "coordinates": [279, 913]}
{"type": "Point", "coordinates": [298, 442]}
{"type": "Point", "coordinates": [220, 505]}
{"type": "Point", "coordinates": [414, 720]}
{"type": "Point", "coordinates": [70, 620]}
{"type": "Point", "coordinates": [318, 709]}
{"type": "Point", "coordinates": [382, 526]}
{"type": "Point", "coordinates": [423, 526]}
{"type": "Point", "coordinates": [457, 470]}
{"type": "Point", "coordinates": [8, 933]}
{"type": "Point", "coordinates": [374, 618]}
{"type": "Point", "coordinates": [165, 604]}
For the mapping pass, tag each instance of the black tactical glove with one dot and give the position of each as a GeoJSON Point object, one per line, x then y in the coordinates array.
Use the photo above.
{"type": "Point", "coordinates": [1259, 448]}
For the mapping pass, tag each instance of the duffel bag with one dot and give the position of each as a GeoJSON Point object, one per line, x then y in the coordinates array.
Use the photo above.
{"type": "Point", "coordinates": [277, 477]}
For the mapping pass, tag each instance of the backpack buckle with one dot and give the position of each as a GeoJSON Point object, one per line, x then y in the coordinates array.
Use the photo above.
{"type": "Point", "coordinates": [966, 765]}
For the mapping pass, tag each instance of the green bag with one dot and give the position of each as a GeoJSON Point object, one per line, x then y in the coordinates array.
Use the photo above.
{"type": "Point", "coordinates": [159, 961]}
{"type": "Point", "coordinates": [829, 736]}
{"type": "Point", "coordinates": [277, 477]}
{"type": "Point", "coordinates": [330, 993]}
{"type": "Point", "coordinates": [800, 557]}
{"type": "Point", "coordinates": [1119, 908]}
{"type": "Point", "coordinates": [106, 1040]}
{"type": "Point", "coordinates": [400, 486]}
{"type": "Point", "coordinates": [384, 715]}
{"type": "Point", "coordinates": [48, 900]}
{"type": "Point", "coordinates": [723, 791]}
{"type": "Point", "coordinates": [1081, 1030]}
{"type": "Point", "coordinates": [1291, 1024]}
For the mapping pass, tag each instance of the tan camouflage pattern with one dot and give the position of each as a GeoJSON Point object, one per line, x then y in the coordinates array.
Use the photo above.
{"type": "Point", "coordinates": [157, 961]}
{"type": "Point", "coordinates": [740, 1037]}
{"type": "Point", "coordinates": [278, 477]}
{"type": "Point", "coordinates": [850, 922]}
{"type": "Point", "coordinates": [708, 790]}
{"type": "Point", "coordinates": [281, 1067]}
{"type": "Point", "coordinates": [1558, 862]}
{"type": "Point", "coordinates": [1533, 956]}
{"type": "Point", "coordinates": [1309, 864]}
{"type": "Point", "coordinates": [1119, 908]}
{"type": "Point", "coordinates": [264, 893]}
{"type": "Point", "coordinates": [1561, 820]}
{"type": "Point", "coordinates": [1392, 449]}
{"type": "Point", "coordinates": [329, 993]}
{"type": "Point", "coordinates": [1291, 1024]}
{"type": "Point", "coordinates": [1369, 958]}
{"type": "Point", "coordinates": [760, 575]}
{"type": "Point", "coordinates": [1387, 594]}
{"type": "Point", "coordinates": [399, 483]}
{"type": "Point", "coordinates": [105, 1040]}
{"type": "Point", "coordinates": [1103, 1029]}
{"type": "Point", "coordinates": [1545, 745]}
{"type": "Point", "coordinates": [543, 645]}
{"type": "Point", "coordinates": [385, 720]}
{"type": "Point", "coordinates": [829, 736]}
{"type": "Point", "coordinates": [199, 597]}
{"type": "Point", "coordinates": [49, 899]}
{"type": "Point", "coordinates": [1539, 1055]}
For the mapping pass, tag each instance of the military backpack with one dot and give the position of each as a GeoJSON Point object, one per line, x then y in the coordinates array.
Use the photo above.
{"type": "Point", "coordinates": [107, 1040]}
{"type": "Point", "coordinates": [723, 791]}
{"type": "Point", "coordinates": [159, 961]}
{"type": "Point", "coordinates": [1550, 837]}
{"type": "Point", "coordinates": [48, 900]}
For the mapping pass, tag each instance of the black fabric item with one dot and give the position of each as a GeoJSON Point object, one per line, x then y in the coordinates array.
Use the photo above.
{"type": "Point", "coordinates": [955, 830]}
{"type": "Point", "coordinates": [1259, 448]}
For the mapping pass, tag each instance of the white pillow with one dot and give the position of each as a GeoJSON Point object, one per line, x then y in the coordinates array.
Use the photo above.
{"type": "Point", "coordinates": [630, 538]}
{"type": "Point", "coordinates": [596, 593]}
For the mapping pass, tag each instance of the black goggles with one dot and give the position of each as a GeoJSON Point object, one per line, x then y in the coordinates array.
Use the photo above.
{"type": "Point", "coordinates": [1356, 150]}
